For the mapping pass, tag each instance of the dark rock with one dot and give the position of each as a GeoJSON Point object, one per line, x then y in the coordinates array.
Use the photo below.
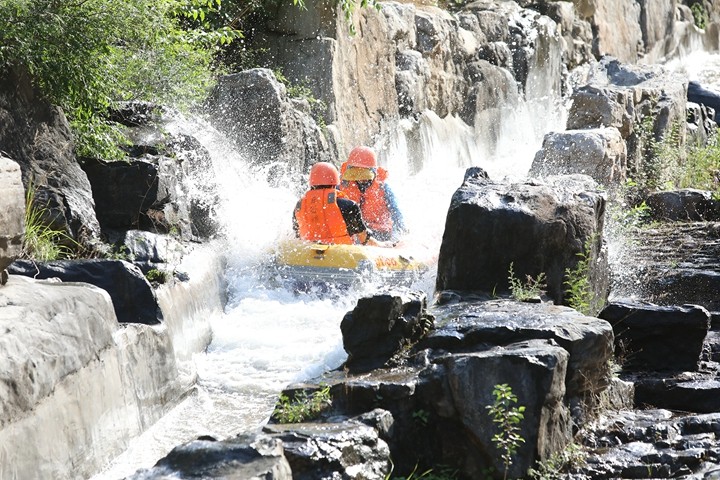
{"type": "Point", "coordinates": [538, 227]}
{"type": "Point", "coordinates": [328, 451]}
{"type": "Point", "coordinates": [700, 395]}
{"type": "Point", "coordinates": [588, 340]}
{"type": "Point", "coordinates": [132, 296]}
{"type": "Point", "coordinates": [679, 205]}
{"type": "Point", "coordinates": [239, 458]}
{"type": "Point", "coordinates": [656, 338]}
{"type": "Point", "coordinates": [381, 325]}
{"type": "Point", "coordinates": [699, 94]}
{"type": "Point", "coordinates": [37, 136]}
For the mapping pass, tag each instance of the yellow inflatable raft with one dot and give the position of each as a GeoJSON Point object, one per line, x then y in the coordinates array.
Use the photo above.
{"type": "Point", "coordinates": [306, 264]}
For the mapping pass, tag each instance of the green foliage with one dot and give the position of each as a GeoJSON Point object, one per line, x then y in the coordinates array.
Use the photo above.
{"type": "Point", "coordinates": [41, 242]}
{"type": "Point", "coordinates": [508, 418]}
{"type": "Point", "coordinates": [86, 54]}
{"type": "Point", "coordinates": [580, 295]}
{"type": "Point", "coordinates": [661, 158]}
{"type": "Point", "coordinates": [528, 290]}
{"type": "Point", "coordinates": [559, 463]}
{"type": "Point", "coordinates": [156, 276]}
{"type": "Point", "coordinates": [700, 15]}
{"type": "Point", "coordinates": [421, 416]}
{"type": "Point", "coordinates": [702, 167]}
{"type": "Point", "coordinates": [348, 7]}
{"type": "Point", "coordinates": [302, 406]}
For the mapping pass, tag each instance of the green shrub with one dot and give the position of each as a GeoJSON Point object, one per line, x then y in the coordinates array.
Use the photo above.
{"type": "Point", "coordinates": [85, 55]}
{"type": "Point", "coordinates": [530, 289]}
{"type": "Point", "coordinates": [41, 241]}
{"type": "Point", "coordinates": [302, 406]}
{"type": "Point", "coordinates": [700, 15]}
{"type": "Point", "coordinates": [508, 418]}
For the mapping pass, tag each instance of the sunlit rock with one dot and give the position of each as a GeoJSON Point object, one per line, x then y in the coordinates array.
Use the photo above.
{"type": "Point", "coordinates": [340, 449]}
{"type": "Point", "coordinates": [243, 457]}
{"type": "Point", "coordinates": [12, 214]}
{"type": "Point", "coordinates": [599, 153]}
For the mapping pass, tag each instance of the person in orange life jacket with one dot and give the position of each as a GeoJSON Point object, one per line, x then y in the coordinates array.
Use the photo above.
{"type": "Point", "coordinates": [365, 183]}
{"type": "Point", "coordinates": [325, 215]}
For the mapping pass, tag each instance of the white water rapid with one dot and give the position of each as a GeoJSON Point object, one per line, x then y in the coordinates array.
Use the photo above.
{"type": "Point", "coordinates": [269, 337]}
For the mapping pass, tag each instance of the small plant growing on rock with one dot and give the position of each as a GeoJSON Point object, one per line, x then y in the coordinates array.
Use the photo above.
{"type": "Point", "coordinates": [559, 463]}
{"type": "Point", "coordinates": [528, 290]}
{"type": "Point", "coordinates": [156, 276]}
{"type": "Point", "coordinates": [302, 406]}
{"type": "Point", "coordinates": [508, 418]}
{"type": "Point", "coordinates": [41, 241]}
{"type": "Point", "coordinates": [580, 295]}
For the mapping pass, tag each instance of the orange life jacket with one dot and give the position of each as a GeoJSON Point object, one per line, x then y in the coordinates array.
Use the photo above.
{"type": "Point", "coordinates": [320, 219]}
{"type": "Point", "coordinates": [373, 204]}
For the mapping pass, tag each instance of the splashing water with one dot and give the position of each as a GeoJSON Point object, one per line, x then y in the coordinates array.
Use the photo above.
{"type": "Point", "coordinates": [268, 336]}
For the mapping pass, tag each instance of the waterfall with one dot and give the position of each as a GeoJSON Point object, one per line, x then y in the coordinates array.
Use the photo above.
{"type": "Point", "coordinates": [269, 336]}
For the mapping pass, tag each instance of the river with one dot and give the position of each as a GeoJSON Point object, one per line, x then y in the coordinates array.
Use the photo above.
{"type": "Point", "coordinates": [270, 337]}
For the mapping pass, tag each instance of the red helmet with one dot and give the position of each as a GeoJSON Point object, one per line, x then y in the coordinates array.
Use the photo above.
{"type": "Point", "coordinates": [363, 157]}
{"type": "Point", "coordinates": [324, 173]}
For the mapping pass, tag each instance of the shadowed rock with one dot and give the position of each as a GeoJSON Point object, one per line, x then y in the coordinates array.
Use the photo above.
{"type": "Point", "coordinates": [37, 136]}
{"type": "Point", "coordinates": [380, 326]}
{"type": "Point", "coordinates": [655, 338]}
{"type": "Point", "coordinates": [538, 227]}
{"type": "Point", "coordinates": [131, 294]}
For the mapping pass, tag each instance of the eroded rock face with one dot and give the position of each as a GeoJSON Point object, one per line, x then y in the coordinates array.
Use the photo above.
{"type": "Point", "coordinates": [599, 153]}
{"type": "Point", "coordinates": [642, 102]}
{"type": "Point", "coordinates": [253, 109]}
{"type": "Point", "coordinates": [37, 136]}
{"type": "Point", "coordinates": [12, 214]}
{"type": "Point", "coordinates": [538, 227]}
{"type": "Point", "coordinates": [415, 58]}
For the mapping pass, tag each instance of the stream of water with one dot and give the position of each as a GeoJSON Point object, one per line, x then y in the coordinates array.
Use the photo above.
{"type": "Point", "coordinates": [270, 337]}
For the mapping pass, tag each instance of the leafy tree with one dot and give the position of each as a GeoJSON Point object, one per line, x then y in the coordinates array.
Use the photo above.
{"type": "Point", "coordinates": [86, 54]}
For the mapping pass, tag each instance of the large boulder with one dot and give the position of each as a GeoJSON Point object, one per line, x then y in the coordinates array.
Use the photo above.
{"type": "Point", "coordinates": [554, 360]}
{"type": "Point", "coordinates": [381, 326]}
{"type": "Point", "coordinates": [12, 214]}
{"type": "Point", "coordinates": [241, 457]}
{"type": "Point", "coordinates": [599, 153]}
{"type": "Point", "coordinates": [254, 110]}
{"type": "Point", "coordinates": [539, 228]}
{"type": "Point", "coordinates": [656, 338]}
{"type": "Point", "coordinates": [37, 135]}
{"type": "Point", "coordinates": [131, 293]}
